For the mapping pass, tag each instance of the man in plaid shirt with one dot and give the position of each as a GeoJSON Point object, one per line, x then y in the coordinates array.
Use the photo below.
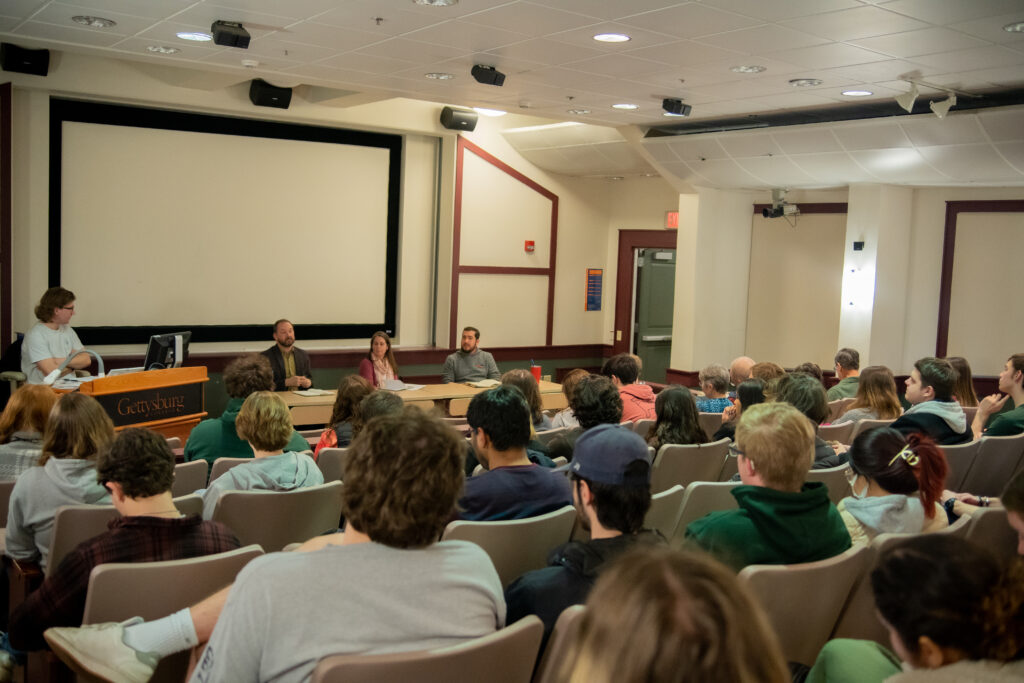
{"type": "Point", "coordinates": [138, 471]}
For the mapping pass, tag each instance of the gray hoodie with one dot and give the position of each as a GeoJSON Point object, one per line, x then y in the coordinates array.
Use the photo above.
{"type": "Point", "coordinates": [950, 412]}
{"type": "Point", "coordinates": [285, 472]}
{"type": "Point", "coordinates": [865, 518]}
{"type": "Point", "coordinates": [38, 493]}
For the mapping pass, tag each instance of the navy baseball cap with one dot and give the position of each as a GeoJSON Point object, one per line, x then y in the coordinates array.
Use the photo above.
{"type": "Point", "coordinates": [603, 453]}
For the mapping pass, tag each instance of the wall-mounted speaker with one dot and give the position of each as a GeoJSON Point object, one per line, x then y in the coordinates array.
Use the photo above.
{"type": "Point", "coordinates": [25, 61]}
{"type": "Point", "coordinates": [262, 94]}
{"type": "Point", "coordinates": [458, 119]}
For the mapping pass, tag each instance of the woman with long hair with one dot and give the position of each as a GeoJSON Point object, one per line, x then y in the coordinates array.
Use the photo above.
{"type": "Point", "coordinates": [565, 417]}
{"type": "Point", "coordinates": [876, 397]}
{"type": "Point", "coordinates": [523, 381]}
{"type": "Point", "coordinates": [963, 390]}
{"type": "Point", "coordinates": [750, 392]}
{"type": "Point", "coordinates": [77, 431]}
{"type": "Point", "coordinates": [338, 431]}
{"type": "Point", "coordinates": [21, 428]}
{"type": "Point", "coordinates": [380, 365]}
{"type": "Point", "coordinates": [896, 484]}
{"type": "Point", "coordinates": [677, 421]}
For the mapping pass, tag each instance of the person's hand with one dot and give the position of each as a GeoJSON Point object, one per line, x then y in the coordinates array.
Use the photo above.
{"type": "Point", "coordinates": [305, 382]}
{"type": "Point", "coordinates": [968, 498]}
{"type": "Point", "coordinates": [292, 381]}
{"type": "Point", "coordinates": [729, 414]}
{"type": "Point", "coordinates": [992, 403]}
{"type": "Point", "coordinates": [839, 448]}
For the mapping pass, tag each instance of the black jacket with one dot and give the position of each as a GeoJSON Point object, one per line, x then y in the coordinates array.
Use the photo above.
{"type": "Point", "coordinates": [273, 354]}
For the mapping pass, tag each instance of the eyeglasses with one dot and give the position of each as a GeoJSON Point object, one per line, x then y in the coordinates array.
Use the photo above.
{"type": "Point", "coordinates": [735, 451]}
{"type": "Point", "coordinates": [67, 308]}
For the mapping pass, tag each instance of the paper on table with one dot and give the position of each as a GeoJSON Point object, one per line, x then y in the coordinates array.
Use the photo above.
{"type": "Point", "coordinates": [312, 392]}
{"type": "Point", "coordinates": [399, 385]}
{"type": "Point", "coordinates": [484, 383]}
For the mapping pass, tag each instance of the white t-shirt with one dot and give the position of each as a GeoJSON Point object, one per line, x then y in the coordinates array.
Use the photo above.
{"type": "Point", "coordinates": [42, 342]}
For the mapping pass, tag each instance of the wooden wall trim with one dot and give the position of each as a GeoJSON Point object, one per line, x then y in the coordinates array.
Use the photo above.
{"type": "Point", "coordinates": [628, 241]}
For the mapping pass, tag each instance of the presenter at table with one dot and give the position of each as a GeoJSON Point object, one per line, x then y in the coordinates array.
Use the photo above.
{"type": "Point", "coordinates": [289, 363]}
{"type": "Point", "coordinates": [51, 339]}
{"type": "Point", "coordinates": [469, 363]}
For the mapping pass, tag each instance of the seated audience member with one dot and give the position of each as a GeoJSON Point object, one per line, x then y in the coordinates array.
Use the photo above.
{"type": "Point", "coordinates": [848, 371]}
{"type": "Point", "coordinates": [933, 411]}
{"type": "Point", "coordinates": [392, 586]}
{"type": "Point", "coordinates": [1011, 383]}
{"type": "Point", "coordinates": [739, 370]}
{"type": "Point", "coordinates": [523, 381]}
{"type": "Point", "coordinates": [469, 363]}
{"type": "Point", "coordinates": [953, 611]}
{"type": "Point", "coordinates": [265, 423]}
{"type": "Point", "coordinates": [781, 519]}
{"type": "Point", "coordinates": [767, 372]}
{"type": "Point", "coordinates": [338, 433]}
{"type": "Point", "coordinates": [138, 470]}
{"type": "Point", "coordinates": [566, 418]}
{"type": "Point", "coordinates": [289, 363]}
{"type": "Point", "coordinates": [611, 488]}
{"type": "Point", "coordinates": [374, 405]}
{"type": "Point", "coordinates": [662, 616]}
{"type": "Point", "coordinates": [637, 399]}
{"type": "Point", "coordinates": [595, 401]}
{"type": "Point", "coordinates": [677, 419]}
{"type": "Point", "coordinates": [749, 393]}
{"type": "Point", "coordinates": [963, 391]}
{"type": "Point", "coordinates": [896, 483]}
{"type": "Point", "coordinates": [512, 487]}
{"type": "Point", "coordinates": [1012, 499]}
{"type": "Point", "coordinates": [808, 396]}
{"type": "Point", "coordinates": [217, 437]}
{"type": "Point", "coordinates": [812, 369]}
{"type": "Point", "coordinates": [714, 382]}
{"type": "Point", "coordinates": [876, 397]}
{"type": "Point", "coordinates": [77, 432]}
{"type": "Point", "coordinates": [21, 428]}
{"type": "Point", "coordinates": [380, 365]}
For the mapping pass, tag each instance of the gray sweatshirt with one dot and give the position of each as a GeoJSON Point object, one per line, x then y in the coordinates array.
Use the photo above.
{"type": "Point", "coordinates": [285, 472]}
{"type": "Point", "coordinates": [469, 367]}
{"type": "Point", "coordinates": [38, 493]}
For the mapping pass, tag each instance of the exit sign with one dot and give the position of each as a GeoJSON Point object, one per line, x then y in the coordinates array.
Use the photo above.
{"type": "Point", "coordinates": [672, 220]}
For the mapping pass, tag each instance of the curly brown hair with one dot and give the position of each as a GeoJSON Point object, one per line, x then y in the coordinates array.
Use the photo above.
{"type": "Point", "coordinates": [404, 475]}
{"type": "Point", "coordinates": [140, 461]}
{"type": "Point", "coordinates": [52, 299]}
{"type": "Point", "coordinates": [78, 428]}
{"type": "Point", "coordinates": [374, 404]}
{"type": "Point", "coordinates": [351, 390]}
{"type": "Point", "coordinates": [248, 374]}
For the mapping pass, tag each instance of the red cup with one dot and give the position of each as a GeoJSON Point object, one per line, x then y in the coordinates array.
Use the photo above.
{"type": "Point", "coordinates": [535, 369]}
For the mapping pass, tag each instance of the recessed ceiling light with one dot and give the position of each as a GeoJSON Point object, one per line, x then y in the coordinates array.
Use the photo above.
{"type": "Point", "coordinates": [197, 36]}
{"type": "Point", "coordinates": [804, 82]}
{"type": "Point", "coordinates": [749, 69]}
{"type": "Point", "coordinates": [611, 37]}
{"type": "Point", "coordinates": [668, 113]}
{"type": "Point", "coordinates": [94, 22]}
{"type": "Point", "coordinates": [616, 177]}
{"type": "Point", "coordinates": [578, 112]}
{"type": "Point", "coordinates": [625, 106]}
{"type": "Point", "coordinates": [1015, 27]}
{"type": "Point", "coordinates": [440, 76]}
{"type": "Point", "coordinates": [162, 49]}
{"type": "Point", "coordinates": [857, 93]}
{"type": "Point", "coordinates": [489, 112]}
{"type": "Point", "coordinates": [436, 3]}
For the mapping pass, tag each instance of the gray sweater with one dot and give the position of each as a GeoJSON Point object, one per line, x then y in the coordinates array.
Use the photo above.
{"type": "Point", "coordinates": [19, 454]}
{"type": "Point", "coordinates": [469, 367]}
{"type": "Point", "coordinates": [285, 472]}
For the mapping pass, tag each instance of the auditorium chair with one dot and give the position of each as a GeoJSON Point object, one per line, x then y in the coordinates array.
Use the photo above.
{"type": "Point", "coordinates": [273, 519]}
{"type": "Point", "coordinates": [990, 529]}
{"type": "Point", "coordinates": [864, 425]}
{"type": "Point", "coordinates": [643, 428]}
{"type": "Point", "coordinates": [835, 479]}
{"type": "Point", "coordinates": [665, 509]}
{"type": "Point", "coordinates": [563, 636]}
{"type": "Point", "coordinates": [710, 423]}
{"type": "Point", "coordinates": [702, 497]}
{"type": "Point", "coordinates": [222, 465]}
{"type": "Point", "coordinates": [505, 656]}
{"type": "Point", "coordinates": [961, 459]}
{"type": "Point", "coordinates": [997, 459]}
{"type": "Point", "coordinates": [840, 432]}
{"type": "Point", "coordinates": [685, 464]}
{"type": "Point", "coordinates": [331, 462]}
{"type": "Point", "coordinates": [837, 408]}
{"type": "Point", "coordinates": [189, 477]}
{"type": "Point", "coordinates": [189, 505]}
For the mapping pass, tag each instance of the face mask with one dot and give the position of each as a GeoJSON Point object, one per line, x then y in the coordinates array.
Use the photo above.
{"type": "Point", "coordinates": [853, 488]}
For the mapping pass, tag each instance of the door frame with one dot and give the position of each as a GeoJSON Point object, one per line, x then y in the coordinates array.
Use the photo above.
{"type": "Point", "coordinates": [628, 241]}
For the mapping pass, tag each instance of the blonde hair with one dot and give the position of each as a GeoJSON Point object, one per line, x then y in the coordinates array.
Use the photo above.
{"type": "Point", "coordinates": [663, 616]}
{"type": "Point", "coordinates": [264, 421]}
{"type": "Point", "coordinates": [779, 440]}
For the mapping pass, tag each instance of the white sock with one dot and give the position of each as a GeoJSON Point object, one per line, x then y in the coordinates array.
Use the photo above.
{"type": "Point", "coordinates": [163, 637]}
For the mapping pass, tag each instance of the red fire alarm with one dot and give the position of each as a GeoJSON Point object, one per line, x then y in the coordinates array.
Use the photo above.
{"type": "Point", "coordinates": [529, 246]}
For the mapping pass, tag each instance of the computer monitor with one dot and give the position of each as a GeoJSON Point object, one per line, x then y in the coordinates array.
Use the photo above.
{"type": "Point", "coordinates": [167, 350]}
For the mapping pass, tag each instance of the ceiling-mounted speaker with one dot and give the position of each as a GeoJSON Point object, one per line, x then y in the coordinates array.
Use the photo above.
{"type": "Point", "coordinates": [23, 60]}
{"type": "Point", "coordinates": [458, 119]}
{"type": "Point", "coordinates": [230, 34]}
{"type": "Point", "coordinates": [262, 94]}
{"type": "Point", "coordinates": [487, 75]}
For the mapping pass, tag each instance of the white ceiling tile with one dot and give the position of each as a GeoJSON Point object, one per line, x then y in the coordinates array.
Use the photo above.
{"type": "Point", "coordinates": [1004, 124]}
{"type": "Point", "coordinates": [690, 20]}
{"type": "Point", "coordinates": [606, 9]}
{"type": "Point", "coordinates": [138, 8]}
{"type": "Point", "coordinates": [762, 39]}
{"type": "Point", "coordinates": [638, 38]}
{"type": "Point", "coordinates": [412, 50]}
{"type": "Point", "coordinates": [970, 163]}
{"type": "Point", "coordinates": [923, 42]}
{"type": "Point", "coordinates": [467, 36]}
{"type": "Point", "coordinates": [850, 24]}
{"type": "Point", "coordinates": [661, 151]}
{"type": "Point", "coordinates": [621, 66]}
{"type": "Point", "coordinates": [1013, 153]}
{"type": "Point", "coordinates": [139, 45]}
{"type": "Point", "coordinates": [679, 169]}
{"type": "Point", "coordinates": [776, 170]}
{"type": "Point", "coordinates": [794, 100]}
{"type": "Point", "coordinates": [546, 51]}
{"type": "Point", "coordinates": [836, 168]}
{"type": "Point", "coordinates": [885, 70]}
{"type": "Point", "coordinates": [22, 8]}
{"type": "Point", "coordinates": [275, 48]}
{"type": "Point", "coordinates": [204, 15]}
{"type": "Point", "coordinates": [370, 63]}
{"type": "Point", "coordinates": [697, 148]}
{"type": "Point", "coordinates": [66, 34]}
{"type": "Point", "coordinates": [296, 9]}
{"type": "Point", "coordinates": [675, 78]}
{"type": "Point", "coordinates": [687, 53]}
{"type": "Point", "coordinates": [721, 70]}
{"type": "Point", "coordinates": [749, 144]}
{"type": "Point", "coordinates": [899, 166]}
{"type": "Point", "coordinates": [991, 28]}
{"type": "Point", "coordinates": [874, 135]}
{"type": "Point", "coordinates": [455, 11]}
{"type": "Point", "coordinates": [165, 32]}
{"type": "Point", "coordinates": [805, 140]}
{"type": "Point", "coordinates": [235, 57]}
{"type": "Point", "coordinates": [528, 19]}
{"type": "Point", "coordinates": [777, 10]}
{"type": "Point", "coordinates": [982, 79]}
{"type": "Point", "coordinates": [61, 16]}
{"type": "Point", "coordinates": [338, 39]}
{"type": "Point", "coordinates": [8, 23]}
{"type": "Point", "coordinates": [363, 14]}
{"type": "Point", "coordinates": [928, 131]}
{"type": "Point", "coordinates": [728, 173]}
{"type": "Point", "coordinates": [972, 60]}
{"type": "Point", "coordinates": [951, 11]}
{"type": "Point", "coordinates": [829, 56]}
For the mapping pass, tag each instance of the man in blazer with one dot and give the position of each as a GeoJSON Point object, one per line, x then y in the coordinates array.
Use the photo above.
{"type": "Point", "coordinates": [289, 363]}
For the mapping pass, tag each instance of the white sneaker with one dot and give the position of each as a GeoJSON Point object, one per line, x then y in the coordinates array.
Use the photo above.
{"type": "Point", "coordinates": [98, 650]}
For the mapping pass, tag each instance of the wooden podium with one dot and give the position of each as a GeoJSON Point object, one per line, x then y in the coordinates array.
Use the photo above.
{"type": "Point", "coordinates": [170, 402]}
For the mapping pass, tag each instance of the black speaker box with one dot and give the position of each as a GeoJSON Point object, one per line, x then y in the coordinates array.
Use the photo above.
{"type": "Point", "coordinates": [25, 61]}
{"type": "Point", "coordinates": [230, 34]}
{"type": "Point", "coordinates": [458, 119]}
{"type": "Point", "coordinates": [487, 75]}
{"type": "Point", "coordinates": [262, 94]}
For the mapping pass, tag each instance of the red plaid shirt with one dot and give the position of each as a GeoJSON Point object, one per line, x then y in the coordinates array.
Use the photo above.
{"type": "Point", "coordinates": [60, 601]}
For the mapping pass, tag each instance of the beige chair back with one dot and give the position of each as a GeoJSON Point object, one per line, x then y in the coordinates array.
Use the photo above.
{"type": "Point", "coordinates": [997, 460]}
{"type": "Point", "coordinates": [158, 589]}
{"type": "Point", "coordinates": [883, 542]}
{"type": "Point", "coordinates": [189, 477]}
{"type": "Point", "coordinates": [865, 425]}
{"type": "Point", "coordinates": [643, 428]}
{"type": "Point", "coordinates": [519, 545]}
{"type": "Point", "coordinates": [73, 524]}
{"type": "Point", "coordinates": [559, 645]}
{"type": "Point", "coordinates": [308, 434]}
{"type": "Point", "coordinates": [969, 413]}
{"type": "Point", "coordinates": [331, 462]}
{"type": "Point", "coordinates": [173, 442]}
{"type": "Point", "coordinates": [5, 501]}
{"type": "Point", "coordinates": [546, 437]}
{"type": "Point", "coordinates": [835, 480]}
{"type": "Point", "coordinates": [702, 497]}
{"type": "Point", "coordinates": [222, 465]}
{"type": "Point", "coordinates": [840, 432]}
{"type": "Point", "coordinates": [837, 408]}
{"type": "Point", "coordinates": [710, 423]}
{"type": "Point", "coordinates": [961, 459]}
{"type": "Point", "coordinates": [804, 601]}
{"type": "Point", "coordinates": [730, 468]}
{"type": "Point", "coordinates": [858, 618]}
{"type": "Point", "coordinates": [189, 505]}
{"type": "Point", "coordinates": [664, 512]}
{"type": "Point", "coordinates": [273, 519]}
{"type": "Point", "coordinates": [679, 464]}
{"type": "Point", "coordinates": [505, 656]}
{"type": "Point", "coordinates": [989, 528]}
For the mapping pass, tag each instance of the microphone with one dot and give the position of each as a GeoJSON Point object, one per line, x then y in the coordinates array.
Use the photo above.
{"type": "Point", "coordinates": [53, 376]}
